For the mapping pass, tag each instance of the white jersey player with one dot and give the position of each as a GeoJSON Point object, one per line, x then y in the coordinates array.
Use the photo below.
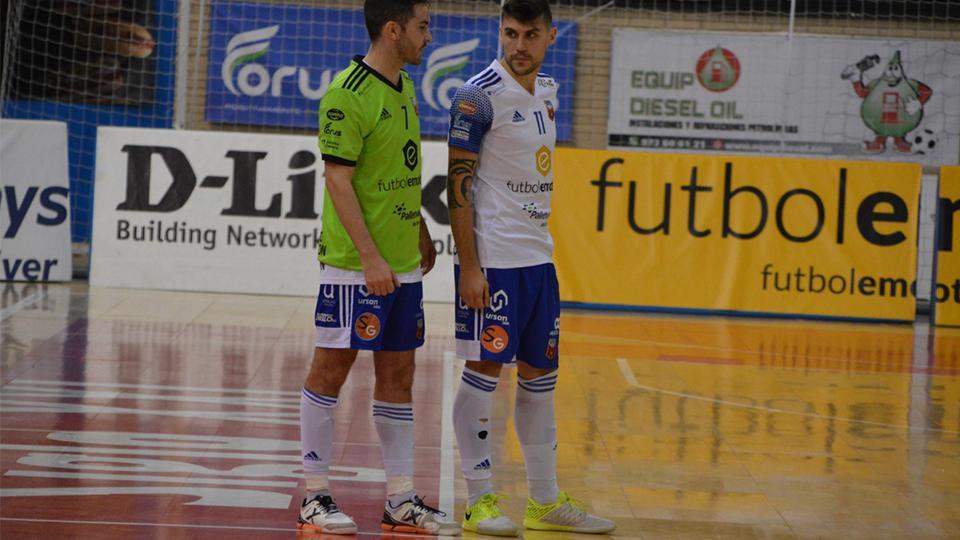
{"type": "Point", "coordinates": [501, 141]}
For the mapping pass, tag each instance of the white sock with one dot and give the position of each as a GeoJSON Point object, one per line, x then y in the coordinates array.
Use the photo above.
{"type": "Point", "coordinates": [316, 438]}
{"type": "Point", "coordinates": [536, 426]}
{"type": "Point", "coordinates": [394, 423]}
{"type": "Point", "coordinates": [471, 423]}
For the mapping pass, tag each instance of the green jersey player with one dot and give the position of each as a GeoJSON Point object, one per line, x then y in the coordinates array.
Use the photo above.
{"type": "Point", "coordinates": [373, 252]}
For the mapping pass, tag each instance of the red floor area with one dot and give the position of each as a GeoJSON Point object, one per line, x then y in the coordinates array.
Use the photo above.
{"type": "Point", "coordinates": [191, 429]}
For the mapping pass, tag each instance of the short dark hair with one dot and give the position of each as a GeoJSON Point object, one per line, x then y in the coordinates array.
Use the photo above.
{"type": "Point", "coordinates": [528, 11]}
{"type": "Point", "coordinates": [377, 13]}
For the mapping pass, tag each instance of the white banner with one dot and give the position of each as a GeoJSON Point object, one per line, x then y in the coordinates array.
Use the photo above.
{"type": "Point", "coordinates": [227, 212]}
{"type": "Point", "coordinates": [890, 99]}
{"type": "Point", "coordinates": [35, 218]}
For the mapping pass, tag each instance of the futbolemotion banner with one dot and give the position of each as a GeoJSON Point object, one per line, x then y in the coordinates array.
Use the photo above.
{"type": "Point", "coordinates": [946, 293]}
{"type": "Point", "coordinates": [269, 64]}
{"type": "Point", "coordinates": [228, 212]}
{"type": "Point", "coordinates": [737, 234]}
{"type": "Point", "coordinates": [886, 99]}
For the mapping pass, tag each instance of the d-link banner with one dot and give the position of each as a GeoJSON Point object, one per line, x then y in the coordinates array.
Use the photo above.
{"type": "Point", "coordinates": [228, 212]}
{"type": "Point", "coordinates": [947, 287]}
{"type": "Point", "coordinates": [787, 236]}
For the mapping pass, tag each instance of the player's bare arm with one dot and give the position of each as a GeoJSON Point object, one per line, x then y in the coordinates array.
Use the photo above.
{"type": "Point", "coordinates": [473, 285]}
{"type": "Point", "coordinates": [379, 277]}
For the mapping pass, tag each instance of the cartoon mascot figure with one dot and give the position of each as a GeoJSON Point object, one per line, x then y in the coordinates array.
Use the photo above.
{"type": "Point", "coordinates": [892, 103]}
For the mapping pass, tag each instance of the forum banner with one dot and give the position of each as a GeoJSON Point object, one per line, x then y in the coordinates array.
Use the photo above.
{"type": "Point", "coordinates": [946, 293]}
{"type": "Point", "coordinates": [787, 236]}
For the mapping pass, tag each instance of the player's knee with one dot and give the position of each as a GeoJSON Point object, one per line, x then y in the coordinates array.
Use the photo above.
{"type": "Point", "coordinates": [394, 385]}
{"type": "Point", "coordinates": [526, 371]}
{"type": "Point", "coordinates": [394, 372]}
{"type": "Point", "coordinates": [484, 367]}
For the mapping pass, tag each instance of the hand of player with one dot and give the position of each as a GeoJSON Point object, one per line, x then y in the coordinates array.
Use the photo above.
{"type": "Point", "coordinates": [474, 288]}
{"type": "Point", "coordinates": [428, 252]}
{"type": "Point", "coordinates": [378, 275]}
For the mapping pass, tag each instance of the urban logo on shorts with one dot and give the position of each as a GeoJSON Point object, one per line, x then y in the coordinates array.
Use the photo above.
{"type": "Point", "coordinates": [494, 339]}
{"type": "Point", "coordinates": [367, 326]}
{"type": "Point", "coordinates": [499, 300]}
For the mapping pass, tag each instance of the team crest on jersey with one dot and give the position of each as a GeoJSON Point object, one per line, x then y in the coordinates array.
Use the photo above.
{"type": "Point", "coordinates": [551, 112]}
{"type": "Point", "coordinates": [367, 326]}
{"type": "Point", "coordinates": [467, 108]}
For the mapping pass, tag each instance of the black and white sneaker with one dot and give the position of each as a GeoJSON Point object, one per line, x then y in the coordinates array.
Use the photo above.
{"type": "Point", "coordinates": [321, 514]}
{"type": "Point", "coordinates": [413, 516]}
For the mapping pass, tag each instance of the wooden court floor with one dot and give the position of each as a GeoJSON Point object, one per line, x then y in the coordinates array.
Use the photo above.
{"type": "Point", "coordinates": [144, 414]}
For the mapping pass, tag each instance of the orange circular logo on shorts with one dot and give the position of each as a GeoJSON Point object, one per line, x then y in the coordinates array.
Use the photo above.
{"type": "Point", "coordinates": [494, 339]}
{"type": "Point", "coordinates": [367, 326]}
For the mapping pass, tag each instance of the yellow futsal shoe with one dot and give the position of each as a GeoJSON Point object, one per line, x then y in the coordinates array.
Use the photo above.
{"type": "Point", "coordinates": [485, 517]}
{"type": "Point", "coordinates": [566, 514]}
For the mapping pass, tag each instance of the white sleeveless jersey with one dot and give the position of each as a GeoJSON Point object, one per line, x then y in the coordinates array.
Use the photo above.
{"type": "Point", "coordinates": [514, 133]}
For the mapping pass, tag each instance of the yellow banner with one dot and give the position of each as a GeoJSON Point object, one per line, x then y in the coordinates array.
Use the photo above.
{"type": "Point", "coordinates": [947, 290]}
{"type": "Point", "coordinates": [746, 234]}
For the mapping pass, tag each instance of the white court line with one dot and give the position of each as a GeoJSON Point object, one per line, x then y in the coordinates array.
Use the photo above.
{"type": "Point", "coordinates": [19, 390]}
{"type": "Point", "coordinates": [142, 524]}
{"type": "Point", "coordinates": [253, 456]}
{"type": "Point", "coordinates": [377, 534]}
{"type": "Point", "coordinates": [32, 430]}
{"type": "Point", "coordinates": [51, 382]}
{"type": "Point", "coordinates": [8, 406]}
{"type": "Point", "coordinates": [446, 435]}
{"type": "Point", "coordinates": [632, 381]}
{"type": "Point", "coordinates": [23, 304]}
{"type": "Point", "coordinates": [152, 478]}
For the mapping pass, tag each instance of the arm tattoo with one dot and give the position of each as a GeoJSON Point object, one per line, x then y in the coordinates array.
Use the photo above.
{"type": "Point", "coordinates": [460, 183]}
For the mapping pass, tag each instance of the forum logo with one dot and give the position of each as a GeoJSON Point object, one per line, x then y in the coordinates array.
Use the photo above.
{"type": "Point", "coordinates": [242, 75]}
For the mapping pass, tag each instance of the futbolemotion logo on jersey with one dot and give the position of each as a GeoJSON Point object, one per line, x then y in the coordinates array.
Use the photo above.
{"type": "Point", "coordinates": [269, 65]}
